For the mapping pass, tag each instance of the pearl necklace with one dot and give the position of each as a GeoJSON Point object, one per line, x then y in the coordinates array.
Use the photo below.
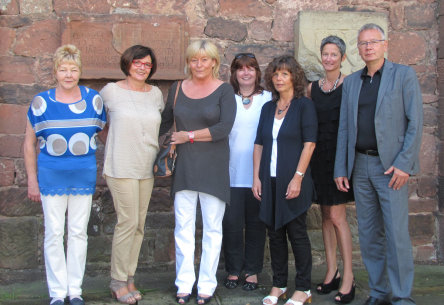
{"type": "Point", "coordinates": [334, 85]}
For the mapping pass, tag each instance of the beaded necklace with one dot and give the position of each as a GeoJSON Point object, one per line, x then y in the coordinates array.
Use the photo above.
{"type": "Point", "coordinates": [334, 85]}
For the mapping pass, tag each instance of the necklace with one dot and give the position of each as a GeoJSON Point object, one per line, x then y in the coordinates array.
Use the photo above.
{"type": "Point", "coordinates": [246, 99]}
{"type": "Point", "coordinates": [334, 85]}
{"type": "Point", "coordinates": [282, 110]}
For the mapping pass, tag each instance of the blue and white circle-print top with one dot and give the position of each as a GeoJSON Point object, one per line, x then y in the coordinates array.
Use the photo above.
{"type": "Point", "coordinates": [67, 139]}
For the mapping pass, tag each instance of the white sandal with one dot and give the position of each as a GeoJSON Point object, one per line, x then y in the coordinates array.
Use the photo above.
{"type": "Point", "coordinates": [274, 299]}
{"type": "Point", "coordinates": [307, 300]}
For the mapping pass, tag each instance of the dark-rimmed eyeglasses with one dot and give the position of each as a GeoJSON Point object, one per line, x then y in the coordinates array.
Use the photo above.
{"type": "Point", "coordinates": [239, 55]}
{"type": "Point", "coordinates": [146, 65]}
{"type": "Point", "coordinates": [371, 43]}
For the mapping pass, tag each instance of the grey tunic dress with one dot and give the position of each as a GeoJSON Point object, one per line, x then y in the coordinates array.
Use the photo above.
{"type": "Point", "coordinates": [202, 166]}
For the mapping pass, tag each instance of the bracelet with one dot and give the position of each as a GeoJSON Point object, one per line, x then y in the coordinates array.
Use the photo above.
{"type": "Point", "coordinates": [300, 174]}
{"type": "Point", "coordinates": [191, 136]}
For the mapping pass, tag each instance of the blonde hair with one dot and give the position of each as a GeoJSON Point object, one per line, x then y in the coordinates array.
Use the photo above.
{"type": "Point", "coordinates": [202, 47]}
{"type": "Point", "coordinates": [67, 53]}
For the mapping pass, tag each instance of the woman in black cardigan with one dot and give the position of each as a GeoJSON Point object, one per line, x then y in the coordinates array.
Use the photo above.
{"type": "Point", "coordinates": [284, 144]}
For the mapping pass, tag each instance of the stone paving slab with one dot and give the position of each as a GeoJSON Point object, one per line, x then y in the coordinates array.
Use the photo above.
{"type": "Point", "coordinates": [159, 289]}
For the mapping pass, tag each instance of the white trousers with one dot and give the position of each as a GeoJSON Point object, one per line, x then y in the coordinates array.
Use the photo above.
{"type": "Point", "coordinates": [213, 210]}
{"type": "Point", "coordinates": [65, 276]}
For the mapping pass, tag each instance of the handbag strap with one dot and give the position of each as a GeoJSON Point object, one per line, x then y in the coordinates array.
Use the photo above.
{"type": "Point", "coordinates": [175, 99]}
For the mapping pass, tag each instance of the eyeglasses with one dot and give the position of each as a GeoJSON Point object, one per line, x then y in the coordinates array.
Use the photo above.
{"type": "Point", "coordinates": [239, 55]}
{"type": "Point", "coordinates": [371, 43]}
{"type": "Point", "coordinates": [146, 65]}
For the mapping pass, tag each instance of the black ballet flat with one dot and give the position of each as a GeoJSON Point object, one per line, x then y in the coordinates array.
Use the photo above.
{"type": "Point", "coordinates": [231, 284]}
{"type": "Point", "coordinates": [249, 286]}
{"type": "Point", "coordinates": [346, 298]}
{"type": "Point", "coordinates": [329, 287]}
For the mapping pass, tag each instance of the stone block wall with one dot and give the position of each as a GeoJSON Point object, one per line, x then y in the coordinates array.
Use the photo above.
{"type": "Point", "coordinates": [31, 30]}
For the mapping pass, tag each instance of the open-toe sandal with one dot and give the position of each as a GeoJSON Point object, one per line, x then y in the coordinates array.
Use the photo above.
{"type": "Point", "coordinates": [274, 299]}
{"type": "Point", "coordinates": [203, 300]}
{"type": "Point", "coordinates": [115, 286]}
{"type": "Point", "coordinates": [182, 299]}
{"type": "Point", "coordinates": [136, 293]}
{"type": "Point", "coordinates": [307, 300]}
{"type": "Point", "coordinates": [326, 288]}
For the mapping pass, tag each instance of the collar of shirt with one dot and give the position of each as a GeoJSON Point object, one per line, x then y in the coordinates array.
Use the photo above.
{"type": "Point", "coordinates": [364, 73]}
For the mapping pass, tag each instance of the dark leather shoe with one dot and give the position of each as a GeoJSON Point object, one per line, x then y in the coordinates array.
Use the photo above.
{"type": "Point", "coordinates": [375, 301]}
{"type": "Point", "coordinates": [76, 301]}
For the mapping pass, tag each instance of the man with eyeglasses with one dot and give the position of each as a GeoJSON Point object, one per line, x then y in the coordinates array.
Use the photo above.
{"type": "Point", "coordinates": [379, 138]}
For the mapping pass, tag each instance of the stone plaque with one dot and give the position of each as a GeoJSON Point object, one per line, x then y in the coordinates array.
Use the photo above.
{"type": "Point", "coordinates": [103, 39]}
{"type": "Point", "coordinates": [312, 26]}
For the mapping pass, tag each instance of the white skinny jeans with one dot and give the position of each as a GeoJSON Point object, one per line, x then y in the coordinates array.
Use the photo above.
{"type": "Point", "coordinates": [213, 210]}
{"type": "Point", "coordinates": [65, 276]}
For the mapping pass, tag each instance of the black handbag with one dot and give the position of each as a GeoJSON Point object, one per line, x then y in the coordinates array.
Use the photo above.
{"type": "Point", "coordinates": [166, 157]}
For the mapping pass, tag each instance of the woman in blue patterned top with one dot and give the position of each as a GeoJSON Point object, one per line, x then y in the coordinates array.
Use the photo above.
{"type": "Point", "coordinates": [64, 121]}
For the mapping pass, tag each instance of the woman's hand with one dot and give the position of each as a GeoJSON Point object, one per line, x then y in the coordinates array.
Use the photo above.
{"type": "Point", "coordinates": [33, 191]}
{"type": "Point", "coordinates": [257, 189]}
{"type": "Point", "coordinates": [294, 187]}
{"type": "Point", "coordinates": [179, 137]}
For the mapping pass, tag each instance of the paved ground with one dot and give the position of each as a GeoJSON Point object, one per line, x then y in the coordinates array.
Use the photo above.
{"type": "Point", "coordinates": [158, 289]}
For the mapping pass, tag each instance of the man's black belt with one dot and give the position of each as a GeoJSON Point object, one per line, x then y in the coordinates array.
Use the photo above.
{"type": "Point", "coordinates": [370, 152]}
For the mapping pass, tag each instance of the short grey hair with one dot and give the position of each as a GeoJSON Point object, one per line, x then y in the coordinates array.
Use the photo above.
{"type": "Point", "coordinates": [336, 41]}
{"type": "Point", "coordinates": [372, 26]}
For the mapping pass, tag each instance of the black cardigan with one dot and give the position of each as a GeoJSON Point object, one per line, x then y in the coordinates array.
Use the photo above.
{"type": "Point", "coordinates": [299, 126]}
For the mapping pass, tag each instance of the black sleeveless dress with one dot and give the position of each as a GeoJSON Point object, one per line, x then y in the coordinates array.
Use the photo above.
{"type": "Point", "coordinates": [323, 160]}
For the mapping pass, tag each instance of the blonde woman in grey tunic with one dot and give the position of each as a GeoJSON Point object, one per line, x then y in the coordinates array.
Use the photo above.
{"type": "Point", "coordinates": [205, 110]}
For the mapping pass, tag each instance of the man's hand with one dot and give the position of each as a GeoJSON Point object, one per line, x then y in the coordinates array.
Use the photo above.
{"type": "Point", "coordinates": [342, 184]}
{"type": "Point", "coordinates": [399, 177]}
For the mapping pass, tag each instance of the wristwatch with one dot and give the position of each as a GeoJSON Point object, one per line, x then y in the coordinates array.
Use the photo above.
{"type": "Point", "coordinates": [300, 174]}
{"type": "Point", "coordinates": [191, 136]}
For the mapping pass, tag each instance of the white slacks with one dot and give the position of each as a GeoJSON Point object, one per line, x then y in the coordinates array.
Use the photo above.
{"type": "Point", "coordinates": [65, 275]}
{"type": "Point", "coordinates": [213, 209]}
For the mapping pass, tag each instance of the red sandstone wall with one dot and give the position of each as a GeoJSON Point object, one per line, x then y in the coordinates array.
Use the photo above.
{"type": "Point", "coordinates": [30, 31]}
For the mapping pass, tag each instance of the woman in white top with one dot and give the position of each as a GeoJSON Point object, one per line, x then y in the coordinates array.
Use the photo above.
{"type": "Point", "coordinates": [244, 253]}
{"type": "Point", "coordinates": [134, 108]}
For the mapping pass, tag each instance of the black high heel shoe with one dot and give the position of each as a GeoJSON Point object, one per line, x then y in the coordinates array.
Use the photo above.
{"type": "Point", "coordinates": [329, 287]}
{"type": "Point", "coordinates": [346, 298]}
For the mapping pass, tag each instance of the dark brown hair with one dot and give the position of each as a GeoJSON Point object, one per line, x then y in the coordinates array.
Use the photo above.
{"type": "Point", "coordinates": [286, 62]}
{"type": "Point", "coordinates": [137, 52]}
{"type": "Point", "coordinates": [241, 60]}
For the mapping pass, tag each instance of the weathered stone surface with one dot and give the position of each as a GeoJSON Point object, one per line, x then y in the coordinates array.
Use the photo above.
{"type": "Point", "coordinates": [11, 146]}
{"type": "Point", "coordinates": [314, 218]}
{"type": "Point", "coordinates": [21, 178]}
{"type": "Point", "coordinates": [10, 7]}
{"type": "Point", "coordinates": [441, 35]}
{"type": "Point", "coordinates": [35, 7]}
{"type": "Point", "coordinates": [108, 38]}
{"type": "Point", "coordinates": [18, 242]}
{"type": "Point", "coordinates": [12, 118]}
{"type": "Point", "coordinates": [421, 227]}
{"type": "Point", "coordinates": [19, 94]}
{"type": "Point", "coordinates": [108, 223]}
{"type": "Point", "coordinates": [428, 83]}
{"type": "Point", "coordinates": [420, 16]}
{"type": "Point", "coordinates": [427, 186]}
{"type": "Point", "coordinates": [260, 30]}
{"type": "Point", "coordinates": [171, 7]}
{"type": "Point", "coordinates": [226, 29]}
{"type": "Point", "coordinates": [264, 53]}
{"type": "Point", "coordinates": [419, 205]}
{"type": "Point", "coordinates": [99, 249]}
{"type": "Point", "coordinates": [7, 36]}
{"type": "Point", "coordinates": [312, 27]}
{"type": "Point", "coordinates": [425, 253]}
{"type": "Point", "coordinates": [90, 6]}
{"type": "Point", "coordinates": [14, 21]}
{"type": "Point", "coordinates": [7, 171]}
{"type": "Point", "coordinates": [161, 221]}
{"type": "Point", "coordinates": [45, 72]}
{"type": "Point", "coordinates": [430, 115]}
{"type": "Point", "coordinates": [406, 48]}
{"type": "Point", "coordinates": [427, 154]}
{"type": "Point", "coordinates": [161, 200]}
{"type": "Point", "coordinates": [14, 203]}
{"type": "Point", "coordinates": [22, 67]}
{"type": "Point", "coordinates": [245, 8]}
{"type": "Point", "coordinates": [397, 16]}
{"type": "Point", "coordinates": [212, 7]}
{"type": "Point", "coordinates": [41, 38]}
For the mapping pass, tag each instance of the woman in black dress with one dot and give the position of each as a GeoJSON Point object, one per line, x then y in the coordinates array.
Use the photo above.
{"type": "Point", "coordinates": [326, 94]}
{"type": "Point", "coordinates": [285, 140]}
